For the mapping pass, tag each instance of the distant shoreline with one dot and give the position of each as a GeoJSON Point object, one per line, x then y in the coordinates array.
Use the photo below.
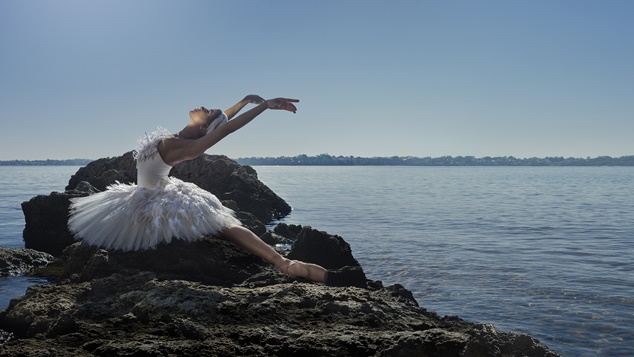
{"type": "Point", "coordinates": [69, 162]}
{"type": "Point", "coordinates": [330, 160]}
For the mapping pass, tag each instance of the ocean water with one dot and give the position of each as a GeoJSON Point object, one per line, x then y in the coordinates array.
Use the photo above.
{"type": "Point", "coordinates": [19, 184]}
{"type": "Point", "coordinates": [539, 250]}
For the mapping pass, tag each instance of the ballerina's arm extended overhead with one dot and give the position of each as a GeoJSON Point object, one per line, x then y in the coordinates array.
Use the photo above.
{"type": "Point", "coordinates": [174, 152]}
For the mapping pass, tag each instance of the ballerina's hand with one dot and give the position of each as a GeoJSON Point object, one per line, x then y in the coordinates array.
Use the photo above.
{"type": "Point", "coordinates": [282, 104]}
{"type": "Point", "coordinates": [254, 99]}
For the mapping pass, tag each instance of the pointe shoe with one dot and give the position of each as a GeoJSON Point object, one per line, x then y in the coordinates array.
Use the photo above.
{"type": "Point", "coordinates": [290, 262]}
{"type": "Point", "coordinates": [303, 270]}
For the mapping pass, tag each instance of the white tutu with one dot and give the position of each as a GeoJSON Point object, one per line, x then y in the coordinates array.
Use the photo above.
{"type": "Point", "coordinates": [131, 217]}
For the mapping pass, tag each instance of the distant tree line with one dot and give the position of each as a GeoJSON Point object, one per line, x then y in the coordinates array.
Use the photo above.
{"type": "Point", "coordinates": [329, 160]}
{"type": "Point", "coordinates": [70, 162]}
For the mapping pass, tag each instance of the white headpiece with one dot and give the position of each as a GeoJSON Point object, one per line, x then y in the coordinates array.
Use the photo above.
{"type": "Point", "coordinates": [218, 122]}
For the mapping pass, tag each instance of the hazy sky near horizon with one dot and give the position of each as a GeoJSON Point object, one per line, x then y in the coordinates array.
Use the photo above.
{"type": "Point", "coordinates": [86, 78]}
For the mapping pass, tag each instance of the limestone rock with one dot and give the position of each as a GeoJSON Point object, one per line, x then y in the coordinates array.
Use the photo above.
{"type": "Point", "coordinates": [19, 261]}
{"type": "Point", "coordinates": [212, 298]}
{"type": "Point", "coordinates": [46, 220]}
{"type": "Point", "coordinates": [329, 251]}
{"type": "Point", "coordinates": [104, 172]}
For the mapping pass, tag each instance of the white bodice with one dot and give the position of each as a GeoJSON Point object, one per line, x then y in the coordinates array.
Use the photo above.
{"type": "Point", "coordinates": [156, 210]}
{"type": "Point", "coordinates": [151, 169]}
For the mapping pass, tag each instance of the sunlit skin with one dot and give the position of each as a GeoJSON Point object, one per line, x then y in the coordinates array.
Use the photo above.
{"type": "Point", "coordinates": [193, 140]}
{"type": "Point", "coordinates": [202, 117]}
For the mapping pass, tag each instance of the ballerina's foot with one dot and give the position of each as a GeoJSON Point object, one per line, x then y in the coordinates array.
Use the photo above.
{"type": "Point", "coordinates": [296, 268]}
{"type": "Point", "coordinates": [307, 271]}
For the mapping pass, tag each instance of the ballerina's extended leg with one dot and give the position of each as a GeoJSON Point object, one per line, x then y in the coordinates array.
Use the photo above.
{"type": "Point", "coordinates": [251, 243]}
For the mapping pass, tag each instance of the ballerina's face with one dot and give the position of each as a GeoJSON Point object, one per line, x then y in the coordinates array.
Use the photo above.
{"type": "Point", "coordinates": [199, 123]}
{"type": "Point", "coordinates": [204, 116]}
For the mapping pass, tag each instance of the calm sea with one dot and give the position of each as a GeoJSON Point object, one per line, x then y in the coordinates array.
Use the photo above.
{"type": "Point", "coordinates": [19, 184]}
{"type": "Point", "coordinates": [540, 250]}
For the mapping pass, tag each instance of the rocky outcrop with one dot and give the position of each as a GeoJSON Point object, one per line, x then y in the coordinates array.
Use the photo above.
{"type": "Point", "coordinates": [238, 187]}
{"type": "Point", "coordinates": [46, 220]}
{"type": "Point", "coordinates": [104, 172]}
{"type": "Point", "coordinates": [20, 261]}
{"type": "Point", "coordinates": [211, 298]}
{"type": "Point", "coordinates": [215, 173]}
{"type": "Point", "coordinates": [228, 180]}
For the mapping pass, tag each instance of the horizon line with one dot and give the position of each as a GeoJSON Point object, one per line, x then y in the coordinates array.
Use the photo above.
{"type": "Point", "coordinates": [351, 156]}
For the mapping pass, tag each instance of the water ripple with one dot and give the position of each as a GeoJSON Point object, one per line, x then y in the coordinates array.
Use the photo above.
{"type": "Point", "coordinates": [545, 251]}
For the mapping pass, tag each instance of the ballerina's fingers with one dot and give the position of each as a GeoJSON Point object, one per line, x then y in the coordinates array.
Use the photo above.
{"type": "Point", "coordinates": [283, 104]}
{"type": "Point", "coordinates": [288, 104]}
{"type": "Point", "coordinates": [290, 107]}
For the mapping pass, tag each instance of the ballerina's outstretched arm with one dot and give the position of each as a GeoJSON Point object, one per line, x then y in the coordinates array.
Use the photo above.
{"type": "Point", "coordinates": [201, 145]}
{"type": "Point", "coordinates": [236, 108]}
{"type": "Point", "coordinates": [197, 147]}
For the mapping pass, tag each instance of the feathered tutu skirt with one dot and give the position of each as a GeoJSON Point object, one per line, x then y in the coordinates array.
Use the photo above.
{"type": "Point", "coordinates": [128, 217]}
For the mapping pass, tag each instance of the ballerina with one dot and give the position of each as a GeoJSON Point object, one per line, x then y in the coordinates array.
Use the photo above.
{"type": "Point", "coordinates": [131, 217]}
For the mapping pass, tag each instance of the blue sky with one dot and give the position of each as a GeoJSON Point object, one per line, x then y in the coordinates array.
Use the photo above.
{"type": "Point", "coordinates": [85, 79]}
